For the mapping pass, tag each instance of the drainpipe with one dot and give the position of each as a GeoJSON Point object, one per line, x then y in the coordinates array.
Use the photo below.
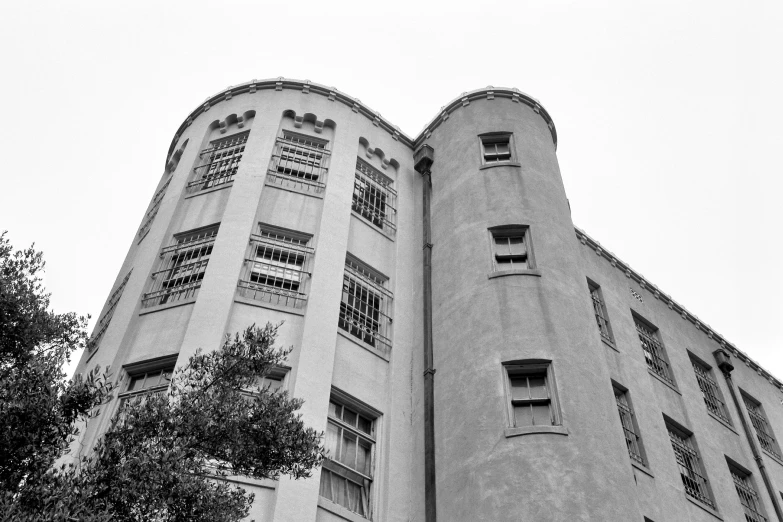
{"type": "Point", "coordinates": [423, 159]}
{"type": "Point", "coordinates": [724, 363]}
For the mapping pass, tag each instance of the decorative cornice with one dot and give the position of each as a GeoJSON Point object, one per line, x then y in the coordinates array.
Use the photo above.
{"type": "Point", "coordinates": [675, 306]}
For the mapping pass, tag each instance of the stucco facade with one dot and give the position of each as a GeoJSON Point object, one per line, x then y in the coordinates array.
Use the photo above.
{"type": "Point", "coordinates": [284, 200]}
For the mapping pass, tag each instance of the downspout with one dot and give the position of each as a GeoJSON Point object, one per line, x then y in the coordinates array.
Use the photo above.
{"type": "Point", "coordinates": [423, 159]}
{"type": "Point", "coordinates": [724, 363]}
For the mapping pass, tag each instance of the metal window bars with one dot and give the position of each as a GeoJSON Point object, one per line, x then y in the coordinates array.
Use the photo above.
{"type": "Point", "coordinates": [153, 211]}
{"type": "Point", "coordinates": [103, 322]}
{"type": "Point", "coordinates": [222, 162]}
{"type": "Point", "coordinates": [628, 422]}
{"type": "Point", "coordinates": [373, 197]}
{"type": "Point", "coordinates": [653, 351]}
{"type": "Point", "coordinates": [709, 388]}
{"type": "Point", "coordinates": [364, 305]}
{"type": "Point", "coordinates": [299, 162]}
{"type": "Point", "coordinates": [183, 267]}
{"type": "Point", "coordinates": [275, 270]}
{"type": "Point", "coordinates": [763, 431]}
{"type": "Point", "coordinates": [600, 315]}
{"type": "Point", "coordinates": [690, 468]}
{"type": "Point", "coordinates": [748, 497]}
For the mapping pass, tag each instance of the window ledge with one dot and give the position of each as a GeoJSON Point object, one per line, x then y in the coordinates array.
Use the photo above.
{"type": "Point", "coordinates": [295, 190]}
{"type": "Point", "coordinates": [359, 342]}
{"type": "Point", "coordinates": [609, 344]}
{"type": "Point", "coordinates": [516, 272]}
{"type": "Point", "coordinates": [337, 509]}
{"type": "Point", "coordinates": [729, 426]}
{"type": "Point", "coordinates": [272, 306]}
{"type": "Point", "coordinates": [529, 430]}
{"type": "Point", "coordinates": [773, 457]}
{"type": "Point", "coordinates": [662, 380]}
{"type": "Point", "coordinates": [364, 220]}
{"type": "Point", "coordinates": [144, 235]}
{"type": "Point", "coordinates": [641, 467]}
{"type": "Point", "coordinates": [210, 190]}
{"type": "Point", "coordinates": [166, 306]}
{"type": "Point", "coordinates": [500, 164]}
{"type": "Point", "coordinates": [704, 506]}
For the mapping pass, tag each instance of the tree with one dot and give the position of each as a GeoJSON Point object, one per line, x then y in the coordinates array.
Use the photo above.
{"type": "Point", "coordinates": [164, 455]}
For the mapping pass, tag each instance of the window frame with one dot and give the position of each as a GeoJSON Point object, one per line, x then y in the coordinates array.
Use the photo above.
{"type": "Point", "coordinates": [758, 417]}
{"type": "Point", "coordinates": [493, 138]}
{"type": "Point", "coordinates": [373, 200]}
{"type": "Point", "coordinates": [509, 231]}
{"type": "Point", "coordinates": [301, 144]}
{"type": "Point", "coordinates": [629, 424]}
{"type": "Point", "coordinates": [130, 371]}
{"type": "Point", "coordinates": [94, 341]}
{"type": "Point", "coordinates": [747, 492]}
{"type": "Point", "coordinates": [532, 367]}
{"type": "Point", "coordinates": [226, 160]}
{"type": "Point", "coordinates": [375, 285]}
{"type": "Point", "coordinates": [687, 457]}
{"type": "Point", "coordinates": [662, 368]}
{"type": "Point", "coordinates": [710, 389]}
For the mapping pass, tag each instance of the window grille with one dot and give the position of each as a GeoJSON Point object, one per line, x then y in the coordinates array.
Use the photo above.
{"type": "Point", "coordinates": [496, 148]}
{"type": "Point", "coordinates": [373, 197]}
{"type": "Point", "coordinates": [299, 161]}
{"type": "Point", "coordinates": [276, 270]}
{"type": "Point", "coordinates": [153, 211]}
{"type": "Point", "coordinates": [364, 305]}
{"type": "Point", "coordinates": [103, 322]}
{"type": "Point", "coordinates": [691, 470]}
{"type": "Point", "coordinates": [628, 421]}
{"type": "Point", "coordinates": [763, 430]}
{"type": "Point", "coordinates": [709, 389]}
{"type": "Point", "coordinates": [182, 268]}
{"type": "Point", "coordinates": [748, 497]}
{"type": "Point", "coordinates": [531, 400]}
{"type": "Point", "coordinates": [221, 162]}
{"type": "Point", "coordinates": [654, 353]}
{"type": "Point", "coordinates": [601, 317]}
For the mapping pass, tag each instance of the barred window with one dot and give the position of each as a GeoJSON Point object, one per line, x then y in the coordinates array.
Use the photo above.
{"type": "Point", "coordinates": [364, 306]}
{"type": "Point", "coordinates": [654, 353]}
{"type": "Point", "coordinates": [347, 473]}
{"type": "Point", "coordinates": [220, 162]}
{"type": "Point", "coordinates": [103, 322]}
{"type": "Point", "coordinates": [763, 429]}
{"type": "Point", "coordinates": [601, 317]}
{"type": "Point", "coordinates": [630, 428]}
{"type": "Point", "coordinates": [749, 498]}
{"type": "Point", "coordinates": [153, 211]}
{"type": "Point", "coordinates": [277, 267]}
{"type": "Point", "coordinates": [183, 265]}
{"type": "Point", "coordinates": [691, 469]}
{"type": "Point", "coordinates": [531, 395]}
{"type": "Point", "coordinates": [373, 197]}
{"type": "Point", "coordinates": [496, 148]}
{"type": "Point", "coordinates": [709, 389]}
{"type": "Point", "coordinates": [299, 161]}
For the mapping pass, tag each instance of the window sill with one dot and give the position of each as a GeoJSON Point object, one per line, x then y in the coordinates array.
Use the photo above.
{"type": "Point", "coordinates": [500, 164]}
{"type": "Point", "coordinates": [661, 380]}
{"type": "Point", "coordinates": [729, 426]}
{"type": "Point", "coordinates": [143, 236]}
{"type": "Point", "coordinates": [641, 467]}
{"type": "Point", "coordinates": [773, 457]}
{"type": "Point", "coordinates": [166, 306]}
{"type": "Point", "coordinates": [210, 190]}
{"type": "Point", "coordinates": [530, 430]}
{"type": "Point", "coordinates": [295, 189]}
{"type": "Point", "coordinates": [516, 272]}
{"type": "Point", "coordinates": [359, 342]}
{"type": "Point", "coordinates": [337, 509]}
{"type": "Point", "coordinates": [610, 344]}
{"type": "Point", "coordinates": [272, 306]}
{"type": "Point", "coordinates": [367, 222]}
{"type": "Point", "coordinates": [704, 506]}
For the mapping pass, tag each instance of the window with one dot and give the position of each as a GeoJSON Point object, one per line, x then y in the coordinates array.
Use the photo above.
{"type": "Point", "coordinates": [652, 346]}
{"type": "Point", "coordinates": [221, 162]}
{"type": "Point", "coordinates": [709, 389]}
{"type": "Point", "coordinates": [630, 428]}
{"type": "Point", "coordinates": [276, 270]}
{"type": "Point", "coordinates": [103, 322]}
{"type": "Point", "coordinates": [496, 148]}
{"type": "Point", "coordinates": [511, 248]}
{"type": "Point", "coordinates": [751, 504]}
{"type": "Point", "coordinates": [364, 305]}
{"type": "Point", "coordinates": [147, 378]}
{"type": "Point", "coordinates": [347, 473]}
{"type": "Point", "coordinates": [601, 317]}
{"type": "Point", "coordinates": [763, 429]}
{"type": "Point", "coordinates": [373, 197]}
{"type": "Point", "coordinates": [153, 211]}
{"type": "Point", "coordinates": [299, 161]}
{"type": "Point", "coordinates": [531, 393]}
{"type": "Point", "coordinates": [182, 267]}
{"type": "Point", "coordinates": [691, 470]}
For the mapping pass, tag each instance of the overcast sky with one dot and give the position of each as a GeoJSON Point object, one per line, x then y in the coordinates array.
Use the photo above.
{"type": "Point", "coordinates": [669, 117]}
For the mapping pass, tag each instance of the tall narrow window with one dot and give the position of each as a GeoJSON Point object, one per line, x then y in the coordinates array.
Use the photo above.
{"type": "Point", "coordinates": [365, 304]}
{"type": "Point", "coordinates": [299, 161]}
{"type": "Point", "coordinates": [373, 197]}
{"type": "Point", "coordinates": [183, 266]}
{"type": "Point", "coordinates": [531, 394]}
{"type": "Point", "coordinates": [496, 148]}
{"type": "Point", "coordinates": [749, 498]}
{"type": "Point", "coordinates": [153, 211]}
{"type": "Point", "coordinates": [630, 428]}
{"type": "Point", "coordinates": [276, 270]}
{"type": "Point", "coordinates": [691, 468]}
{"type": "Point", "coordinates": [511, 248]}
{"type": "Point", "coordinates": [220, 162]}
{"type": "Point", "coordinates": [763, 429]}
{"type": "Point", "coordinates": [601, 317]}
{"type": "Point", "coordinates": [103, 322]}
{"type": "Point", "coordinates": [654, 353]}
{"type": "Point", "coordinates": [347, 473]}
{"type": "Point", "coordinates": [713, 398]}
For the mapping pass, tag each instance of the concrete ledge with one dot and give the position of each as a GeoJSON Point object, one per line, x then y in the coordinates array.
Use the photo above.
{"type": "Point", "coordinates": [337, 509]}
{"type": "Point", "coordinates": [729, 426]}
{"type": "Point", "coordinates": [661, 380]}
{"type": "Point", "coordinates": [704, 506]}
{"type": "Point", "coordinates": [271, 306]}
{"type": "Point", "coordinates": [610, 345]}
{"type": "Point", "coordinates": [530, 430]}
{"type": "Point", "coordinates": [295, 190]}
{"type": "Point", "coordinates": [773, 457]}
{"type": "Point", "coordinates": [644, 469]}
{"type": "Point", "coordinates": [372, 349]}
{"type": "Point", "coordinates": [210, 190]}
{"type": "Point", "coordinates": [517, 272]}
{"type": "Point", "coordinates": [166, 306]}
{"type": "Point", "coordinates": [500, 164]}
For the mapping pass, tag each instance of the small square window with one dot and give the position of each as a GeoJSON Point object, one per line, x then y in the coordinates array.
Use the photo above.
{"type": "Point", "coordinates": [496, 148]}
{"type": "Point", "coordinates": [531, 395]}
{"type": "Point", "coordinates": [511, 248]}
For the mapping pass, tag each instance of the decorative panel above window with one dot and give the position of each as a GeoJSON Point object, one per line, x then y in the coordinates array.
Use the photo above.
{"type": "Point", "coordinates": [365, 306]}
{"type": "Point", "coordinates": [220, 162]}
{"type": "Point", "coordinates": [299, 161]}
{"type": "Point", "coordinates": [374, 199]}
{"type": "Point", "coordinates": [103, 322]}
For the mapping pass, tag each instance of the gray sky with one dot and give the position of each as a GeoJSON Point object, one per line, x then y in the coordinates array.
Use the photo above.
{"type": "Point", "coordinates": [668, 116]}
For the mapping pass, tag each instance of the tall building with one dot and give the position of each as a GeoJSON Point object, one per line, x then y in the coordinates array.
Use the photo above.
{"type": "Point", "coordinates": [466, 350]}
